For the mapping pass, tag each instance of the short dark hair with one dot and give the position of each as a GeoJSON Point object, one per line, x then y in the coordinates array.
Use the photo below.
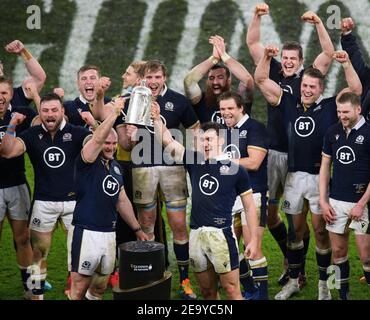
{"type": "Point", "coordinates": [51, 96]}
{"type": "Point", "coordinates": [6, 80]}
{"type": "Point", "coordinates": [221, 66]}
{"type": "Point", "coordinates": [231, 95]}
{"type": "Point", "coordinates": [154, 66]}
{"type": "Point", "coordinates": [88, 67]}
{"type": "Point", "coordinates": [212, 126]}
{"type": "Point", "coordinates": [293, 45]}
{"type": "Point", "coordinates": [315, 73]}
{"type": "Point", "coordinates": [349, 97]}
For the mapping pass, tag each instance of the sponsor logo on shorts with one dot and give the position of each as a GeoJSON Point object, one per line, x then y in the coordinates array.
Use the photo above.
{"type": "Point", "coordinates": [304, 126]}
{"type": "Point", "coordinates": [192, 262]}
{"type": "Point", "coordinates": [86, 265]}
{"type": "Point", "coordinates": [208, 185]}
{"type": "Point", "coordinates": [138, 194]}
{"type": "Point", "coordinates": [286, 204]}
{"type": "Point", "coordinates": [36, 222]}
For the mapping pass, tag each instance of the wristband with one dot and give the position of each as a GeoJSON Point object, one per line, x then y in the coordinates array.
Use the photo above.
{"type": "Point", "coordinates": [26, 55]}
{"type": "Point", "coordinates": [11, 133]}
{"type": "Point", "coordinates": [213, 59]}
{"type": "Point", "coordinates": [137, 229]}
{"type": "Point", "coordinates": [11, 126]}
{"type": "Point", "coordinates": [225, 57]}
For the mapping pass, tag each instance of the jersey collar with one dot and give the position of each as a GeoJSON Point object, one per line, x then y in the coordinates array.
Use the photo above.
{"type": "Point", "coordinates": [359, 124]}
{"type": "Point", "coordinates": [164, 90]}
{"type": "Point", "coordinates": [83, 100]}
{"type": "Point", "coordinates": [241, 121]}
{"type": "Point", "coordinates": [316, 103]}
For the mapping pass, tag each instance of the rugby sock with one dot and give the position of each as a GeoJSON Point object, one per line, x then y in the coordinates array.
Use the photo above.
{"type": "Point", "coordinates": [306, 244]}
{"type": "Point", "coordinates": [295, 257]}
{"type": "Point", "coordinates": [181, 249]}
{"type": "Point", "coordinates": [343, 265]}
{"type": "Point", "coordinates": [280, 235]}
{"type": "Point", "coordinates": [25, 275]}
{"type": "Point", "coordinates": [246, 278]}
{"type": "Point", "coordinates": [259, 271]}
{"type": "Point", "coordinates": [38, 277]}
{"type": "Point", "coordinates": [323, 258]}
{"type": "Point", "coordinates": [89, 296]}
{"type": "Point", "coordinates": [367, 274]}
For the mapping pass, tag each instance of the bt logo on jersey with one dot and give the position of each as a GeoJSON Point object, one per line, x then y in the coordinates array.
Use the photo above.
{"type": "Point", "coordinates": [345, 155]}
{"type": "Point", "coordinates": [208, 185]}
{"type": "Point", "coordinates": [110, 186]}
{"type": "Point", "coordinates": [54, 157]}
{"type": "Point", "coordinates": [304, 126]}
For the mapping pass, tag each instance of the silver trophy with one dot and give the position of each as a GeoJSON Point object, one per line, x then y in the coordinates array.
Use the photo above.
{"type": "Point", "coordinates": [139, 108]}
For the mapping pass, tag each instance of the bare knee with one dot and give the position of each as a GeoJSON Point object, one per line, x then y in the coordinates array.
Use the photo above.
{"type": "Point", "coordinates": [209, 293]}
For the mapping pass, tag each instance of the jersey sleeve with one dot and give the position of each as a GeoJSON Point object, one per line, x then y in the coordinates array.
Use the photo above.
{"type": "Point", "coordinates": [188, 117]}
{"type": "Point", "coordinates": [327, 146]}
{"type": "Point", "coordinates": [243, 184]}
{"type": "Point", "coordinates": [258, 137]}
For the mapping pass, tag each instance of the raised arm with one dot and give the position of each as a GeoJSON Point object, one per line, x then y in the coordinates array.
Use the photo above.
{"type": "Point", "coordinates": [269, 88]}
{"type": "Point", "coordinates": [253, 38]}
{"type": "Point", "coordinates": [353, 81]}
{"type": "Point", "coordinates": [93, 147]}
{"type": "Point", "coordinates": [235, 67]}
{"type": "Point", "coordinates": [164, 136]}
{"type": "Point", "coordinates": [10, 146]}
{"type": "Point", "coordinates": [37, 73]}
{"type": "Point", "coordinates": [349, 44]}
{"type": "Point", "coordinates": [191, 86]}
{"type": "Point", "coordinates": [100, 110]}
{"type": "Point", "coordinates": [124, 207]}
{"type": "Point", "coordinates": [323, 60]}
{"type": "Point", "coordinates": [32, 93]}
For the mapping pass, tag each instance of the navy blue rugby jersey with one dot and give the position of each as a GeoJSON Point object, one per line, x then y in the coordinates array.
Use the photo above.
{"type": "Point", "coordinates": [249, 133]}
{"type": "Point", "coordinates": [73, 109]}
{"type": "Point", "coordinates": [306, 130]}
{"type": "Point", "coordinates": [212, 113]}
{"type": "Point", "coordinates": [292, 85]}
{"type": "Point", "coordinates": [53, 160]}
{"type": "Point", "coordinates": [12, 171]}
{"type": "Point", "coordinates": [175, 110]}
{"type": "Point", "coordinates": [97, 185]}
{"type": "Point", "coordinates": [351, 160]}
{"type": "Point", "coordinates": [215, 185]}
{"type": "Point", "coordinates": [19, 99]}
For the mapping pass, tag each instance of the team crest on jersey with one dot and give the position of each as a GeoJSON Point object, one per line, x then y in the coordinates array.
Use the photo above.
{"type": "Point", "coordinates": [169, 106]}
{"type": "Point", "coordinates": [208, 185]}
{"type": "Point", "coordinates": [54, 157]}
{"type": "Point", "coordinates": [110, 186]}
{"type": "Point", "coordinates": [243, 134]}
{"type": "Point", "coordinates": [67, 137]}
{"type": "Point", "coordinates": [117, 170]}
{"type": "Point", "coordinates": [360, 139]}
{"type": "Point", "coordinates": [304, 126]}
{"type": "Point", "coordinates": [216, 117]}
{"type": "Point", "coordinates": [345, 155]}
